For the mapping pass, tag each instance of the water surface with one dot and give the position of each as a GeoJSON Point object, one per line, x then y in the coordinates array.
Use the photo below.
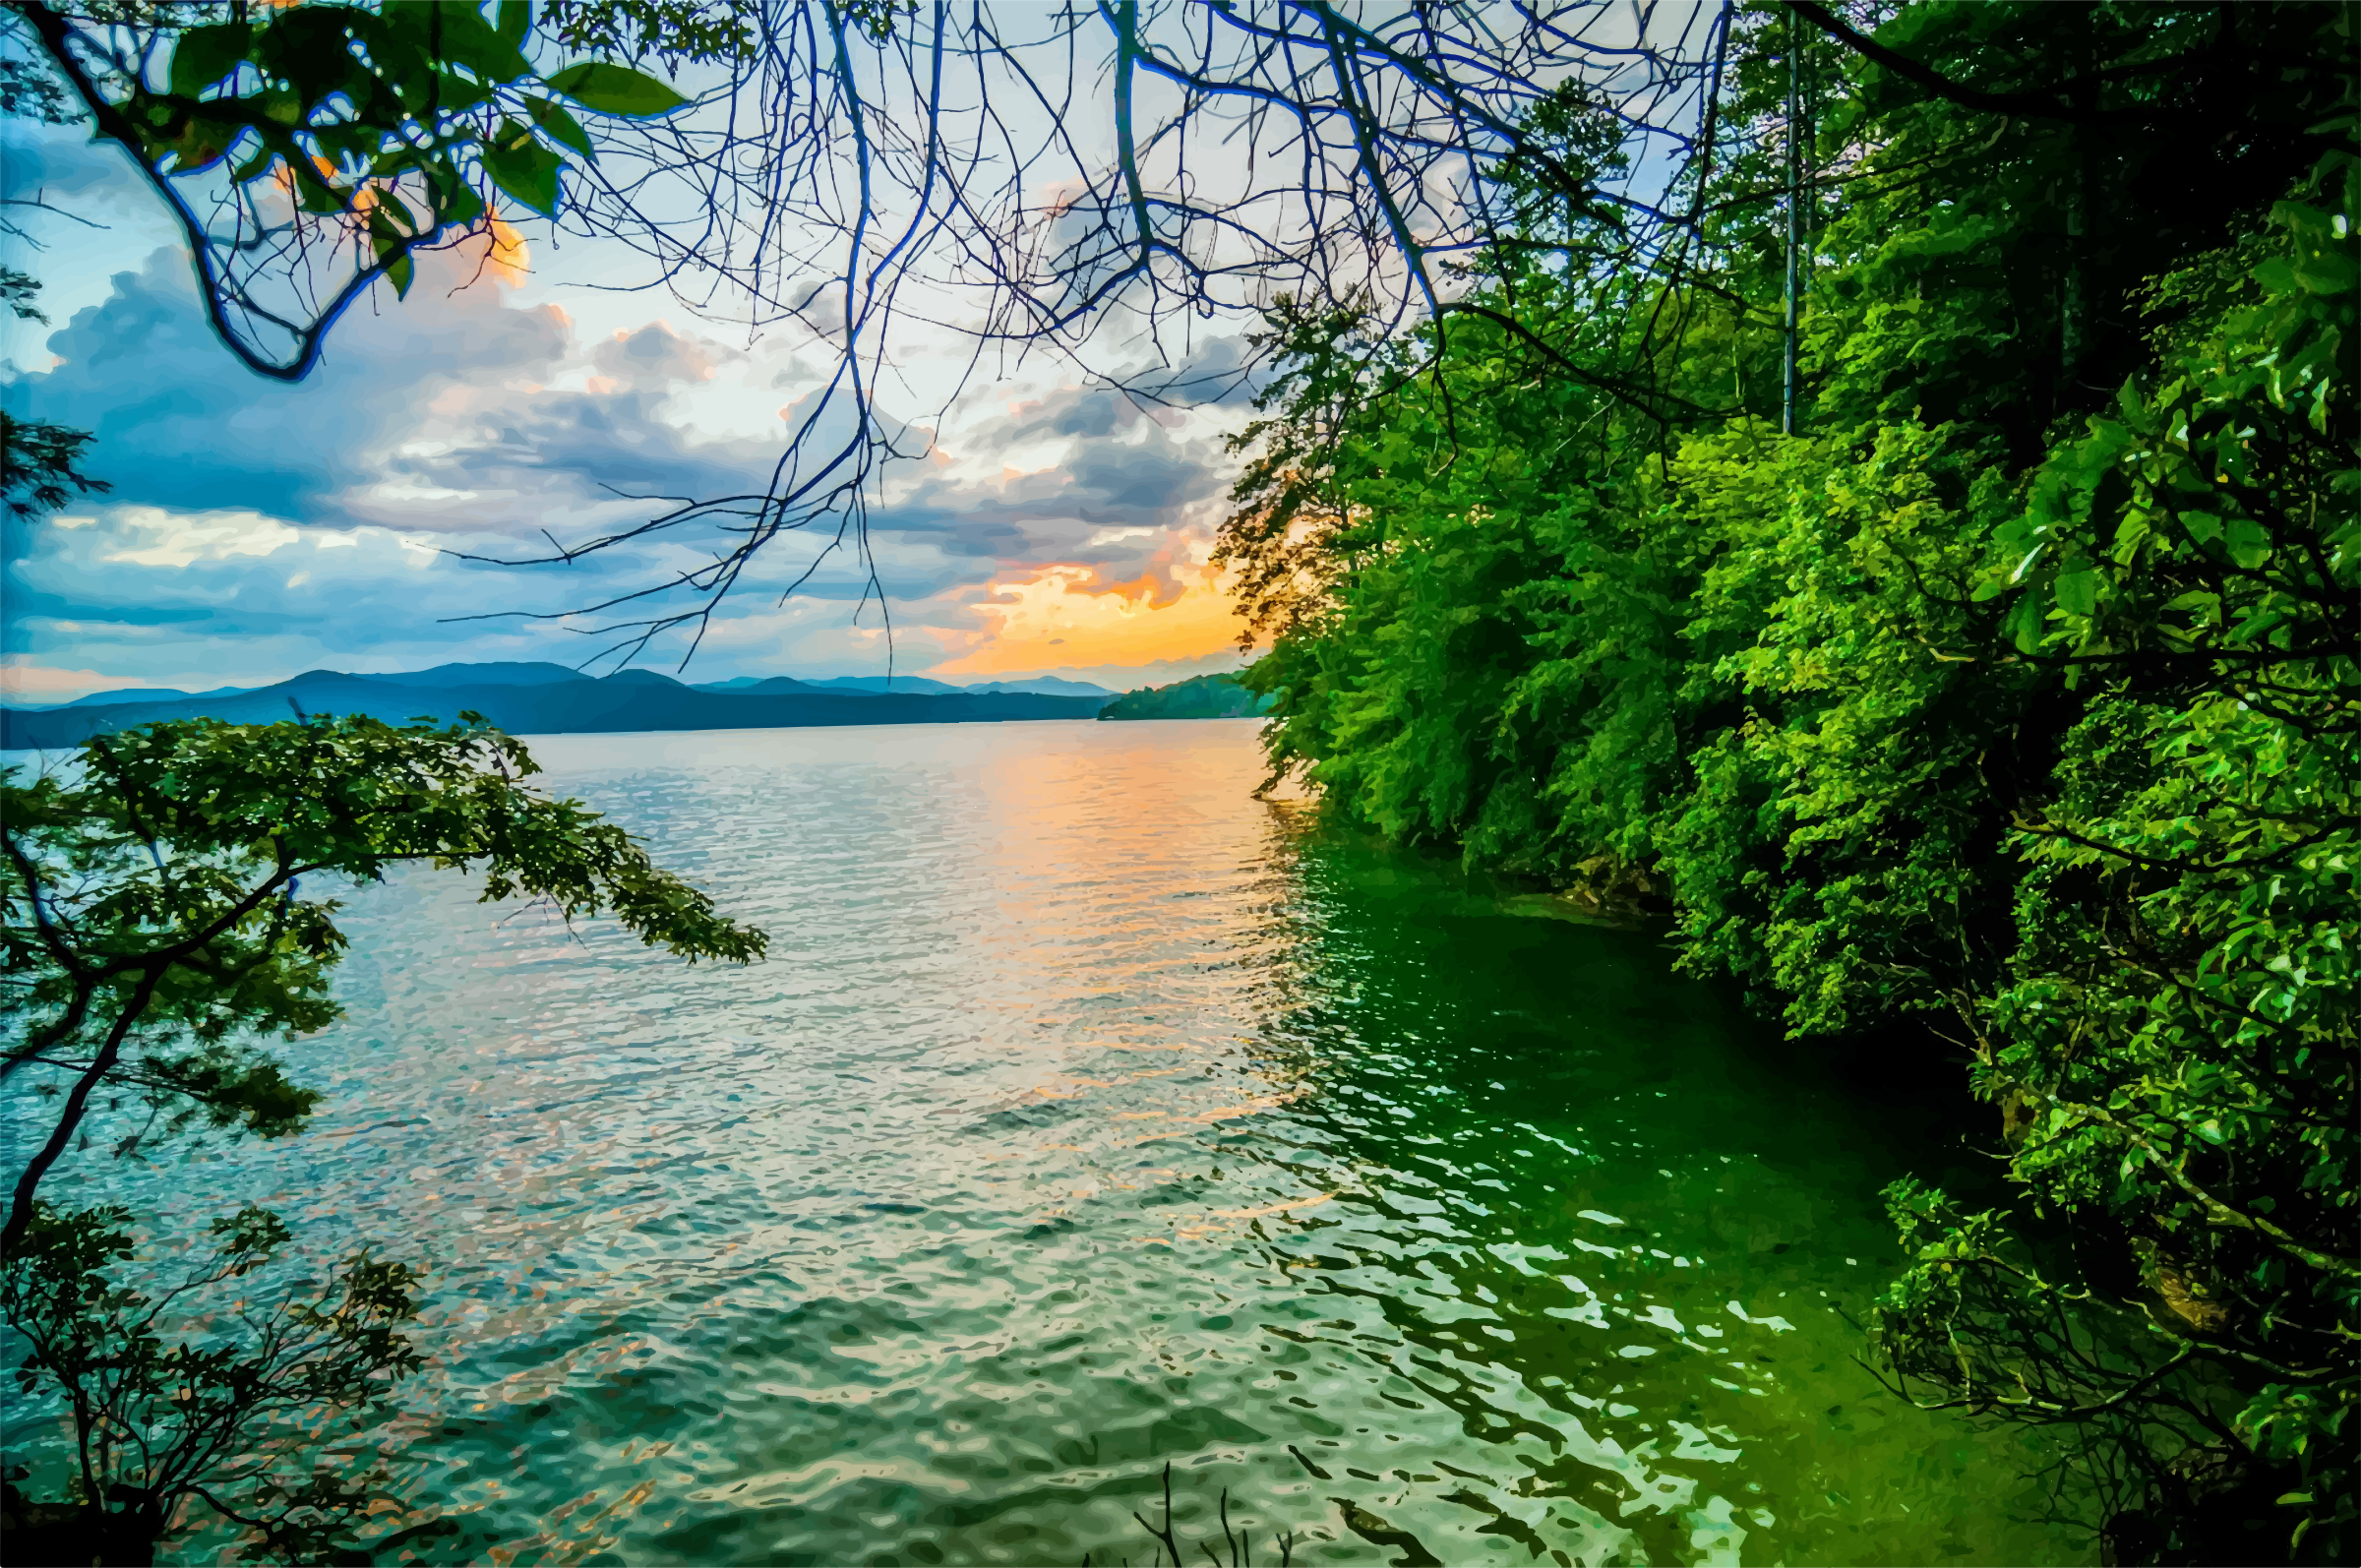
{"type": "Point", "coordinates": [1091, 1114]}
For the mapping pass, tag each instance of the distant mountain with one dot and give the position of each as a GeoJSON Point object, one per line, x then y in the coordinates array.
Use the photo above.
{"type": "Point", "coordinates": [915, 685]}
{"type": "Point", "coordinates": [134, 693]}
{"type": "Point", "coordinates": [909, 685]}
{"type": "Point", "coordinates": [531, 700]}
{"type": "Point", "coordinates": [140, 694]}
{"type": "Point", "coordinates": [1048, 684]}
{"type": "Point", "coordinates": [440, 674]}
{"type": "Point", "coordinates": [757, 683]}
{"type": "Point", "coordinates": [1205, 697]}
{"type": "Point", "coordinates": [530, 674]}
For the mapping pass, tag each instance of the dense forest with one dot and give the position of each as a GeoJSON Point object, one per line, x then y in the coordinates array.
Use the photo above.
{"type": "Point", "coordinates": [1940, 580]}
{"type": "Point", "coordinates": [1201, 696]}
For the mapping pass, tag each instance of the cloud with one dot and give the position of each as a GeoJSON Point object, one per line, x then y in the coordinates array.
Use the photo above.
{"type": "Point", "coordinates": [204, 536]}
{"type": "Point", "coordinates": [123, 573]}
{"type": "Point", "coordinates": [257, 529]}
{"type": "Point", "coordinates": [1077, 477]}
{"type": "Point", "coordinates": [21, 682]}
{"type": "Point", "coordinates": [180, 424]}
{"type": "Point", "coordinates": [1065, 616]}
{"type": "Point", "coordinates": [656, 355]}
{"type": "Point", "coordinates": [450, 409]}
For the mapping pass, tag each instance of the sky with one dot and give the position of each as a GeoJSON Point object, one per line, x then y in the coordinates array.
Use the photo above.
{"type": "Point", "coordinates": [255, 531]}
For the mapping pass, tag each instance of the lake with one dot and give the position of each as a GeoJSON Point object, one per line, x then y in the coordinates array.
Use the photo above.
{"type": "Point", "coordinates": [1092, 1114]}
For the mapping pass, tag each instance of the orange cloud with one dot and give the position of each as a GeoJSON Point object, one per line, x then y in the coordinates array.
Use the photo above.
{"type": "Point", "coordinates": [1061, 615]}
{"type": "Point", "coordinates": [506, 258]}
{"type": "Point", "coordinates": [38, 683]}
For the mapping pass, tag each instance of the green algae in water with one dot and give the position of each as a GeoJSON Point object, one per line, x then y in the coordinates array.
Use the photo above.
{"type": "Point", "coordinates": [1094, 1116]}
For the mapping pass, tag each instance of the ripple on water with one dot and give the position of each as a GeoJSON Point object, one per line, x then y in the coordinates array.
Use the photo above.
{"type": "Point", "coordinates": [1092, 1114]}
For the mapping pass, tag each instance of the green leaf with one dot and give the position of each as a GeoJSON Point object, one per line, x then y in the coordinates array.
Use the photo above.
{"type": "Point", "coordinates": [203, 56]}
{"type": "Point", "coordinates": [562, 127]}
{"type": "Point", "coordinates": [402, 272]}
{"type": "Point", "coordinates": [2077, 592]}
{"type": "Point", "coordinates": [615, 90]}
{"type": "Point", "coordinates": [308, 48]}
{"type": "Point", "coordinates": [312, 193]}
{"type": "Point", "coordinates": [457, 94]}
{"type": "Point", "coordinates": [525, 171]}
{"type": "Point", "coordinates": [2024, 623]}
{"type": "Point", "coordinates": [456, 202]}
{"type": "Point", "coordinates": [2326, 273]}
{"type": "Point", "coordinates": [464, 38]}
{"type": "Point", "coordinates": [390, 223]}
{"type": "Point", "coordinates": [451, 33]}
{"type": "Point", "coordinates": [515, 20]}
{"type": "Point", "coordinates": [2247, 543]}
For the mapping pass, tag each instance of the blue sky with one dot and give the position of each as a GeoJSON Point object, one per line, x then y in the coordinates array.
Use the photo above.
{"type": "Point", "coordinates": [255, 529]}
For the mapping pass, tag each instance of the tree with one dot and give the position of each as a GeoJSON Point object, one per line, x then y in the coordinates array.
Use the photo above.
{"type": "Point", "coordinates": [154, 924]}
{"type": "Point", "coordinates": [155, 931]}
{"type": "Point", "coordinates": [197, 1393]}
{"type": "Point", "coordinates": [41, 467]}
{"type": "Point", "coordinates": [2010, 707]}
{"type": "Point", "coordinates": [2175, 1035]}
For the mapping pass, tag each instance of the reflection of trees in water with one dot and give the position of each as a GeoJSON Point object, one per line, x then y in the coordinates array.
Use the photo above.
{"type": "Point", "coordinates": [1338, 980]}
{"type": "Point", "coordinates": [1479, 1092]}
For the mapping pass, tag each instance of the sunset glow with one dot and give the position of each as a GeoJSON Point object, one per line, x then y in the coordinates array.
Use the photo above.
{"type": "Point", "coordinates": [1064, 616]}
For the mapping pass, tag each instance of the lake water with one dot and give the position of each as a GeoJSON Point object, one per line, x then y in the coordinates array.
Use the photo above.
{"type": "Point", "coordinates": [1091, 1114]}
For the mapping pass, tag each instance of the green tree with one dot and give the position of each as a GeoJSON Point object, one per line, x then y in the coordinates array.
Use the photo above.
{"type": "Point", "coordinates": [1201, 696]}
{"type": "Point", "coordinates": [2176, 1036]}
{"type": "Point", "coordinates": [198, 1393]}
{"type": "Point", "coordinates": [160, 918]}
{"type": "Point", "coordinates": [2011, 702]}
{"type": "Point", "coordinates": [154, 926]}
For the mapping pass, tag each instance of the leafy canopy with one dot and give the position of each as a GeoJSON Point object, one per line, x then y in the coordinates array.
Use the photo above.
{"type": "Point", "coordinates": [2009, 711]}
{"type": "Point", "coordinates": [154, 926]}
{"type": "Point", "coordinates": [214, 1389]}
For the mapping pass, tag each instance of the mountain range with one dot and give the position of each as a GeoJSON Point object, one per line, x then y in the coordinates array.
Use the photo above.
{"type": "Point", "coordinates": [550, 699]}
{"type": "Point", "coordinates": [1044, 686]}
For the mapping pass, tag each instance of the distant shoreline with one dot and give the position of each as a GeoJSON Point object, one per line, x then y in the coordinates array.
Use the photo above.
{"type": "Point", "coordinates": [633, 703]}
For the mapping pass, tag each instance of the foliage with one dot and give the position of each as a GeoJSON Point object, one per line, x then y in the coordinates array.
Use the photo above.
{"type": "Point", "coordinates": [192, 1395]}
{"type": "Point", "coordinates": [155, 928]}
{"type": "Point", "coordinates": [1202, 697]}
{"type": "Point", "coordinates": [346, 136]}
{"type": "Point", "coordinates": [153, 932]}
{"type": "Point", "coordinates": [338, 98]}
{"type": "Point", "coordinates": [2178, 1025]}
{"type": "Point", "coordinates": [41, 467]}
{"type": "Point", "coordinates": [40, 464]}
{"type": "Point", "coordinates": [673, 31]}
{"type": "Point", "coordinates": [2014, 699]}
